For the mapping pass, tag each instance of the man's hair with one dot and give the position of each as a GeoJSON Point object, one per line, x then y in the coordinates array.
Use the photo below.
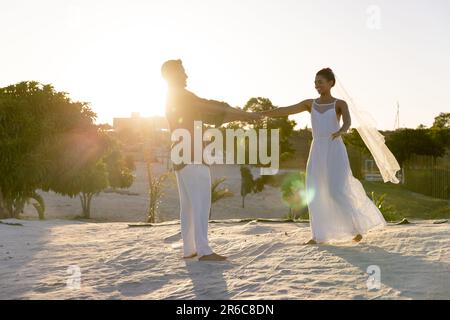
{"type": "Point", "coordinates": [169, 68]}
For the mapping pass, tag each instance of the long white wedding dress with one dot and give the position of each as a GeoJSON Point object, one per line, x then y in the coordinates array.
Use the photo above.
{"type": "Point", "coordinates": [339, 208]}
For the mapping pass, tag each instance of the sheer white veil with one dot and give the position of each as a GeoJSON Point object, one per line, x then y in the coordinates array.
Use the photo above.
{"type": "Point", "coordinates": [374, 140]}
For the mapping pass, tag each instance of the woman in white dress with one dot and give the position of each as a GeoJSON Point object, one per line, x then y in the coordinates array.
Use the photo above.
{"type": "Point", "coordinates": [339, 208]}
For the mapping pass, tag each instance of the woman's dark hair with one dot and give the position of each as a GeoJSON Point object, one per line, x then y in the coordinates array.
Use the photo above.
{"type": "Point", "coordinates": [328, 74]}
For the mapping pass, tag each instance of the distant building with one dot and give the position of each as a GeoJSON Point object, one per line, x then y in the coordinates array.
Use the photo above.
{"type": "Point", "coordinates": [370, 171]}
{"type": "Point", "coordinates": [138, 125]}
{"type": "Point", "coordinates": [144, 137]}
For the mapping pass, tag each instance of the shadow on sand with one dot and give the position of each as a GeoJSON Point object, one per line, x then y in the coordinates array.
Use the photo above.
{"type": "Point", "coordinates": [413, 276]}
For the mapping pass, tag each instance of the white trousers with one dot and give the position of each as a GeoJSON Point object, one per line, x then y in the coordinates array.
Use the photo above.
{"type": "Point", "coordinates": [194, 188]}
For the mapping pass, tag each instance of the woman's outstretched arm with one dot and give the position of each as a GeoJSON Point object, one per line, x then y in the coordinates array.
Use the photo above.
{"type": "Point", "coordinates": [286, 111]}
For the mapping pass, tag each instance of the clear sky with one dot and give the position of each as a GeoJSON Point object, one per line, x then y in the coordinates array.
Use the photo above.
{"type": "Point", "coordinates": [109, 52]}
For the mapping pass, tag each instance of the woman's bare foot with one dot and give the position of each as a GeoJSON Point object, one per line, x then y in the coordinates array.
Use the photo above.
{"type": "Point", "coordinates": [212, 257]}
{"type": "Point", "coordinates": [312, 241]}
{"type": "Point", "coordinates": [357, 238]}
{"type": "Point", "coordinates": [191, 256]}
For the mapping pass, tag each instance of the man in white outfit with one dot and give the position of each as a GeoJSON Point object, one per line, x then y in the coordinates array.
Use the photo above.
{"type": "Point", "coordinates": [194, 180]}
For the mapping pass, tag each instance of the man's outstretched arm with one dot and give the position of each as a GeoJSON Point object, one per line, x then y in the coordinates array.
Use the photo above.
{"type": "Point", "coordinates": [221, 110]}
{"type": "Point", "coordinates": [234, 114]}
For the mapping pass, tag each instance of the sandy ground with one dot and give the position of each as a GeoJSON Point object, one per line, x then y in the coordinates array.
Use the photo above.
{"type": "Point", "coordinates": [267, 260]}
{"type": "Point", "coordinates": [113, 261]}
{"type": "Point", "coordinates": [114, 207]}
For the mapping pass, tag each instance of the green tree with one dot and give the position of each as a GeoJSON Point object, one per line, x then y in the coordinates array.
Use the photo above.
{"type": "Point", "coordinates": [405, 142]}
{"type": "Point", "coordinates": [51, 143]}
{"type": "Point", "coordinates": [246, 183]}
{"type": "Point", "coordinates": [442, 120]}
{"type": "Point", "coordinates": [119, 168]}
{"type": "Point", "coordinates": [91, 181]}
{"type": "Point", "coordinates": [90, 162]}
{"type": "Point", "coordinates": [285, 125]}
{"type": "Point", "coordinates": [251, 185]}
{"type": "Point", "coordinates": [33, 118]}
{"type": "Point", "coordinates": [218, 193]}
{"type": "Point", "coordinates": [440, 130]}
{"type": "Point", "coordinates": [156, 185]}
{"type": "Point", "coordinates": [441, 136]}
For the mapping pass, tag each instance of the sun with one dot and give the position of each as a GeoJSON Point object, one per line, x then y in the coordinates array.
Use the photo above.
{"type": "Point", "coordinates": [115, 83]}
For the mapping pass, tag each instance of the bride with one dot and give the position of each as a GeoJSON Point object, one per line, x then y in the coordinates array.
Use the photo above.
{"type": "Point", "coordinates": [339, 208]}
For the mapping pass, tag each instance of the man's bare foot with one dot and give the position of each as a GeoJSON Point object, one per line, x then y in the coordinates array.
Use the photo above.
{"type": "Point", "coordinates": [312, 241]}
{"type": "Point", "coordinates": [212, 257]}
{"type": "Point", "coordinates": [191, 256]}
{"type": "Point", "coordinates": [357, 238]}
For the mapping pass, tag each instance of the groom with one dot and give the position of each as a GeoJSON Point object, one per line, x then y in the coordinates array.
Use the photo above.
{"type": "Point", "coordinates": [194, 180]}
